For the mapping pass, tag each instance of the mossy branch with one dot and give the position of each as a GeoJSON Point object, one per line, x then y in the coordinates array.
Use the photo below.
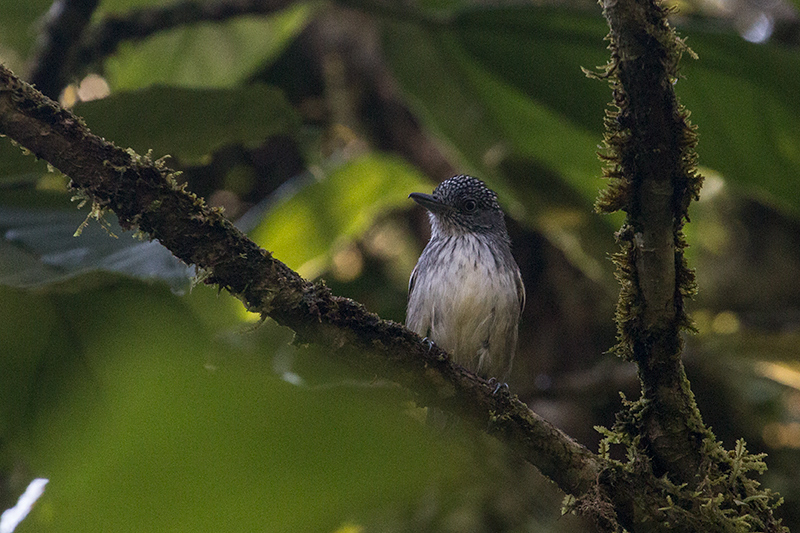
{"type": "Point", "coordinates": [142, 193]}
{"type": "Point", "coordinates": [651, 164]}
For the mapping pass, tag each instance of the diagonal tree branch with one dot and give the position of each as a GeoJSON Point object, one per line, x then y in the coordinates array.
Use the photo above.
{"type": "Point", "coordinates": [142, 193]}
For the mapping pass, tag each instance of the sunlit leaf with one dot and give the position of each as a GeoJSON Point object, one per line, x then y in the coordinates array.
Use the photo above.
{"type": "Point", "coordinates": [341, 205]}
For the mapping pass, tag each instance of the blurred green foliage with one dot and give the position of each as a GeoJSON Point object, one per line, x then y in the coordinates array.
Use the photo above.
{"type": "Point", "coordinates": [143, 421]}
{"type": "Point", "coordinates": [498, 79]}
{"type": "Point", "coordinates": [150, 411]}
{"type": "Point", "coordinates": [190, 124]}
{"type": "Point", "coordinates": [343, 205]}
{"type": "Point", "coordinates": [205, 55]}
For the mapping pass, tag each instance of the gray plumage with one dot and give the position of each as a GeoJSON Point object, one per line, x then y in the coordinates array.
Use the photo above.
{"type": "Point", "coordinates": [466, 292]}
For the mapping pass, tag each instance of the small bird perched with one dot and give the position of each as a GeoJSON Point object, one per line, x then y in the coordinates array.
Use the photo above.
{"type": "Point", "coordinates": [466, 292]}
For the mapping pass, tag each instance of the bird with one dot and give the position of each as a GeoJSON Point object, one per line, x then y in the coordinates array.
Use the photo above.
{"type": "Point", "coordinates": [466, 293]}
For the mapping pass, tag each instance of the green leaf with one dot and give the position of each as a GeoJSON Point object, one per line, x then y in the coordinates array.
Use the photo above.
{"type": "Point", "coordinates": [38, 247]}
{"type": "Point", "coordinates": [208, 54]}
{"type": "Point", "coordinates": [508, 82]}
{"type": "Point", "coordinates": [302, 230]}
{"type": "Point", "coordinates": [190, 123]}
{"type": "Point", "coordinates": [521, 122]}
{"type": "Point", "coordinates": [540, 52]}
{"type": "Point", "coordinates": [504, 88]}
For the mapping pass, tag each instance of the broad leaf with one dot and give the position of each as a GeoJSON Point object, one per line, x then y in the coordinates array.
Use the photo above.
{"type": "Point", "coordinates": [142, 421]}
{"type": "Point", "coordinates": [208, 54]}
{"type": "Point", "coordinates": [39, 247]}
{"type": "Point", "coordinates": [190, 123]}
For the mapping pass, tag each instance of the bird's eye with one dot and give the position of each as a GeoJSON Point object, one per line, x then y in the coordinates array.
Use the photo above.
{"type": "Point", "coordinates": [470, 205]}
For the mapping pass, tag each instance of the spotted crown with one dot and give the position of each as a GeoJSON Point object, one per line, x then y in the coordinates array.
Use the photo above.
{"type": "Point", "coordinates": [459, 189]}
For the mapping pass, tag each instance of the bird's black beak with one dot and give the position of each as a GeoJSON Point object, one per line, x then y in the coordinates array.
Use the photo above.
{"type": "Point", "coordinates": [429, 202]}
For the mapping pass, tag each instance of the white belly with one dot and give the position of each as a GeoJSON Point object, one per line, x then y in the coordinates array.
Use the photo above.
{"type": "Point", "coordinates": [469, 308]}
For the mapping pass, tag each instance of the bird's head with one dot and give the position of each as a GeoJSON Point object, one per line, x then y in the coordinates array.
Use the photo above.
{"type": "Point", "coordinates": [462, 204]}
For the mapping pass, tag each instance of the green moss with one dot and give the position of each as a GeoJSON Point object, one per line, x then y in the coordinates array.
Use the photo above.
{"type": "Point", "coordinates": [625, 154]}
{"type": "Point", "coordinates": [726, 497]}
{"type": "Point", "coordinates": [97, 213]}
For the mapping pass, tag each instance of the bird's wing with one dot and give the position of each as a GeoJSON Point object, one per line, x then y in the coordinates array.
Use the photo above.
{"type": "Point", "coordinates": [520, 291]}
{"type": "Point", "coordinates": [412, 280]}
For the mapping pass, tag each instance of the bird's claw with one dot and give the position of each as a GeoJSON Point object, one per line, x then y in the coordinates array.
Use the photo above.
{"type": "Point", "coordinates": [498, 385]}
{"type": "Point", "coordinates": [429, 343]}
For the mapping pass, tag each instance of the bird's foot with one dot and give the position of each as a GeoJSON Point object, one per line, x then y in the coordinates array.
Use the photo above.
{"type": "Point", "coordinates": [429, 343]}
{"type": "Point", "coordinates": [498, 385]}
